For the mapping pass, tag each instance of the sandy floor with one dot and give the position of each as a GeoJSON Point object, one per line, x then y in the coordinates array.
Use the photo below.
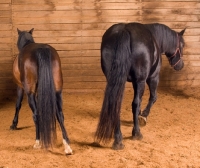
{"type": "Point", "coordinates": [171, 137]}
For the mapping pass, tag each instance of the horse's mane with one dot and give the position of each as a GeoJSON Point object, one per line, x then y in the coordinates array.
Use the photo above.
{"type": "Point", "coordinates": [165, 37]}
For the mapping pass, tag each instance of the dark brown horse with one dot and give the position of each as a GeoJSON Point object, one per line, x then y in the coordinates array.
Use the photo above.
{"type": "Point", "coordinates": [37, 72]}
{"type": "Point", "coordinates": [132, 52]}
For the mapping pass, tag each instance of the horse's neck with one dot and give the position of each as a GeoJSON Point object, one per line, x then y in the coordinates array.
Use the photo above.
{"type": "Point", "coordinates": [28, 42]}
{"type": "Point", "coordinates": [164, 36]}
{"type": "Point", "coordinates": [20, 47]}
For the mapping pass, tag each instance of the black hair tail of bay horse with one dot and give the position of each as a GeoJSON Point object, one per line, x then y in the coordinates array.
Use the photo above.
{"type": "Point", "coordinates": [116, 76]}
{"type": "Point", "coordinates": [46, 97]}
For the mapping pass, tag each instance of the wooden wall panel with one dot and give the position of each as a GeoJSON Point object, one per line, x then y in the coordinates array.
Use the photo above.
{"type": "Point", "coordinates": [75, 28]}
{"type": "Point", "coordinates": [6, 83]}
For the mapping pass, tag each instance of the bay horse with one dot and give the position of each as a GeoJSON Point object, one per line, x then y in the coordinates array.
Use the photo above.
{"type": "Point", "coordinates": [132, 52]}
{"type": "Point", "coordinates": [37, 72]}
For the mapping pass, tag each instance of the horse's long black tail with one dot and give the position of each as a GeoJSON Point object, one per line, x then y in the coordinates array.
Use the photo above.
{"type": "Point", "coordinates": [46, 98]}
{"type": "Point", "coordinates": [116, 79]}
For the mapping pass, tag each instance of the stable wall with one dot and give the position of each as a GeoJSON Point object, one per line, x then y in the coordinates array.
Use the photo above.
{"type": "Point", "coordinates": [75, 28]}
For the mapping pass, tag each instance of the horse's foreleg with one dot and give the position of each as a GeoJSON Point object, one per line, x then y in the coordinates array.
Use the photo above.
{"type": "Point", "coordinates": [117, 145]}
{"type": "Point", "coordinates": [60, 118]}
{"type": "Point", "coordinates": [152, 83]}
{"type": "Point", "coordinates": [20, 93]}
{"type": "Point", "coordinates": [32, 104]}
{"type": "Point", "coordinates": [138, 93]}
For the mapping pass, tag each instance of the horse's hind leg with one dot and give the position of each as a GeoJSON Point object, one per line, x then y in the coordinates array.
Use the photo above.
{"type": "Point", "coordinates": [117, 145]}
{"type": "Point", "coordinates": [152, 83]}
{"type": "Point", "coordinates": [138, 93]}
{"type": "Point", "coordinates": [20, 93]}
{"type": "Point", "coordinates": [60, 118]}
{"type": "Point", "coordinates": [32, 104]}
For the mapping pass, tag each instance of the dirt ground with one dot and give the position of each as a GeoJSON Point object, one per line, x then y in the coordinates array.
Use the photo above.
{"type": "Point", "coordinates": [171, 137]}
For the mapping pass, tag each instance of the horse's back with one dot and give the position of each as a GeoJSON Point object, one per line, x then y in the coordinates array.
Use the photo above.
{"type": "Point", "coordinates": [138, 34]}
{"type": "Point", "coordinates": [28, 65]}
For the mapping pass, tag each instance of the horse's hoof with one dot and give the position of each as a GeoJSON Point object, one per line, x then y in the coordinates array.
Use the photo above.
{"type": "Point", "coordinates": [118, 146]}
{"type": "Point", "coordinates": [68, 149]}
{"type": "Point", "coordinates": [95, 144]}
{"type": "Point", "coordinates": [142, 121]}
{"type": "Point", "coordinates": [37, 145]}
{"type": "Point", "coordinates": [13, 127]}
{"type": "Point", "coordinates": [137, 136]}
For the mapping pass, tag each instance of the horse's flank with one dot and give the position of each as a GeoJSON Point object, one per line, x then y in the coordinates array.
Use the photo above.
{"type": "Point", "coordinates": [16, 72]}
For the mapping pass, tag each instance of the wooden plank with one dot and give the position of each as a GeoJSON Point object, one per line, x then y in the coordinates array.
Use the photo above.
{"type": "Point", "coordinates": [192, 57]}
{"type": "Point", "coordinates": [49, 26]}
{"type": "Point", "coordinates": [169, 1]}
{"type": "Point", "coordinates": [46, 14]}
{"type": "Point", "coordinates": [67, 47]}
{"type": "Point", "coordinates": [114, 1]}
{"type": "Point", "coordinates": [5, 7]}
{"type": "Point", "coordinates": [50, 2]}
{"type": "Point", "coordinates": [80, 53]}
{"type": "Point", "coordinates": [193, 45]}
{"type": "Point", "coordinates": [5, 74]}
{"type": "Point", "coordinates": [5, 14]}
{"type": "Point", "coordinates": [5, 1]}
{"type": "Point", "coordinates": [84, 79]}
{"type": "Point", "coordinates": [46, 7]}
{"type": "Point", "coordinates": [182, 18]}
{"type": "Point", "coordinates": [6, 54]}
{"type": "Point", "coordinates": [191, 38]}
{"type": "Point", "coordinates": [68, 53]}
{"type": "Point", "coordinates": [192, 50]}
{"type": "Point", "coordinates": [79, 60]}
{"type": "Point", "coordinates": [173, 5]}
{"type": "Point", "coordinates": [8, 84]}
{"type": "Point", "coordinates": [70, 60]}
{"type": "Point", "coordinates": [179, 11]}
{"type": "Point", "coordinates": [96, 26]}
{"type": "Point", "coordinates": [71, 73]}
{"type": "Point", "coordinates": [91, 53]}
{"type": "Point", "coordinates": [33, 21]}
{"type": "Point", "coordinates": [81, 66]}
{"type": "Point", "coordinates": [53, 33]}
{"type": "Point", "coordinates": [5, 47]}
{"type": "Point", "coordinates": [5, 33]}
{"type": "Point", "coordinates": [5, 20]}
{"type": "Point", "coordinates": [59, 40]}
{"type": "Point", "coordinates": [111, 19]}
{"type": "Point", "coordinates": [193, 31]}
{"type": "Point", "coordinates": [7, 40]}
{"type": "Point", "coordinates": [103, 12]}
{"type": "Point", "coordinates": [7, 27]}
{"type": "Point", "coordinates": [94, 33]}
{"type": "Point", "coordinates": [85, 85]}
{"type": "Point", "coordinates": [114, 6]}
{"type": "Point", "coordinates": [5, 67]}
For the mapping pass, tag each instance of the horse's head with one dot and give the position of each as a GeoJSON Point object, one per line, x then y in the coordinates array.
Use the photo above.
{"type": "Point", "coordinates": [24, 38]}
{"type": "Point", "coordinates": [175, 57]}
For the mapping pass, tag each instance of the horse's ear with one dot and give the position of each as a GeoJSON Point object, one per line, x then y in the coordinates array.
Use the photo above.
{"type": "Point", "coordinates": [182, 32]}
{"type": "Point", "coordinates": [19, 31]}
{"type": "Point", "coordinates": [31, 31]}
